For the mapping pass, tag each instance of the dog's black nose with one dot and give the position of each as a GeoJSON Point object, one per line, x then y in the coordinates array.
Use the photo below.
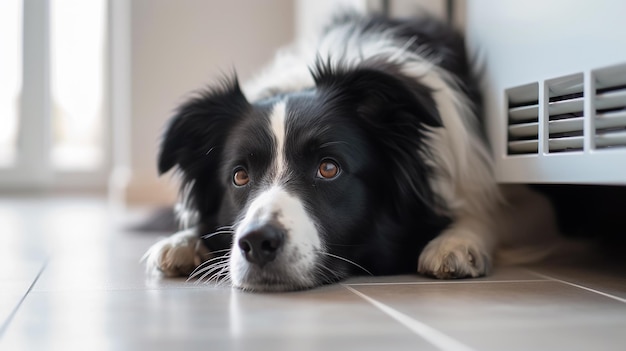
{"type": "Point", "coordinates": [260, 246]}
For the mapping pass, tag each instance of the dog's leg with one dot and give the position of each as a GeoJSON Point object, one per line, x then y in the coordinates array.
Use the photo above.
{"type": "Point", "coordinates": [176, 255]}
{"type": "Point", "coordinates": [523, 225]}
{"type": "Point", "coordinates": [463, 250]}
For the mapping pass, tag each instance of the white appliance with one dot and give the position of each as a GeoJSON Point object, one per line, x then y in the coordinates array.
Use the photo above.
{"type": "Point", "coordinates": [554, 87]}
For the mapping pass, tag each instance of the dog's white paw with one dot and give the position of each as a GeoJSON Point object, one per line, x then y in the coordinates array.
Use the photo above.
{"type": "Point", "coordinates": [177, 255]}
{"type": "Point", "coordinates": [455, 254]}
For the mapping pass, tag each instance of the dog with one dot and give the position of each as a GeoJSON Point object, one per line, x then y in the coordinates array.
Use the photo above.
{"type": "Point", "coordinates": [361, 154]}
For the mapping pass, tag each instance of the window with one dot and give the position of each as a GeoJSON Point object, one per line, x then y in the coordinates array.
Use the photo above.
{"type": "Point", "coordinates": [52, 99]}
{"type": "Point", "coordinates": [11, 73]}
{"type": "Point", "coordinates": [77, 83]}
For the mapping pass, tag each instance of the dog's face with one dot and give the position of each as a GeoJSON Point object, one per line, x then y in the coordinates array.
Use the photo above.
{"type": "Point", "coordinates": [296, 176]}
{"type": "Point", "coordinates": [305, 180]}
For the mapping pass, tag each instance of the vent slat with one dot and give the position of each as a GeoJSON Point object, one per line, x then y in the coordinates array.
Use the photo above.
{"type": "Point", "coordinates": [611, 139]}
{"type": "Point", "coordinates": [524, 95]}
{"type": "Point", "coordinates": [566, 106]}
{"type": "Point", "coordinates": [610, 76]}
{"type": "Point", "coordinates": [567, 125]}
{"type": "Point", "coordinates": [611, 100]}
{"type": "Point", "coordinates": [524, 130]}
{"type": "Point", "coordinates": [611, 119]}
{"type": "Point", "coordinates": [566, 85]}
{"type": "Point", "coordinates": [566, 143]}
{"type": "Point", "coordinates": [523, 113]}
{"type": "Point", "coordinates": [523, 146]}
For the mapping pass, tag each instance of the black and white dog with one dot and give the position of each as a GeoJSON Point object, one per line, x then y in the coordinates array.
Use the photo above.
{"type": "Point", "coordinates": [360, 155]}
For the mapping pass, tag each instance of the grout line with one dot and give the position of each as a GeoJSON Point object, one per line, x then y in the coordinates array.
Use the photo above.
{"type": "Point", "coordinates": [433, 336]}
{"type": "Point", "coordinates": [9, 319]}
{"type": "Point", "coordinates": [450, 282]}
{"type": "Point", "coordinates": [578, 286]}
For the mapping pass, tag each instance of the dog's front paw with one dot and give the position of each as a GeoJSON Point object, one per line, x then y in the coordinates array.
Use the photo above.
{"type": "Point", "coordinates": [455, 255]}
{"type": "Point", "coordinates": [177, 255]}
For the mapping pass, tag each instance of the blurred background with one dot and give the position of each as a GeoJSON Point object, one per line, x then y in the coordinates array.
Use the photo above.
{"type": "Point", "coordinates": [87, 86]}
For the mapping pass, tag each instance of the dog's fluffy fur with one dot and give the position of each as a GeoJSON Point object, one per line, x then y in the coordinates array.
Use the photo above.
{"type": "Point", "coordinates": [360, 155]}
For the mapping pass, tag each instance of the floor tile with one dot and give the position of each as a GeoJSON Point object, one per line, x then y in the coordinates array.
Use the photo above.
{"type": "Point", "coordinates": [502, 274]}
{"type": "Point", "coordinates": [104, 263]}
{"type": "Point", "coordinates": [205, 318]}
{"type": "Point", "coordinates": [594, 270]}
{"type": "Point", "coordinates": [9, 303]}
{"type": "Point", "coordinates": [512, 316]}
{"type": "Point", "coordinates": [16, 279]}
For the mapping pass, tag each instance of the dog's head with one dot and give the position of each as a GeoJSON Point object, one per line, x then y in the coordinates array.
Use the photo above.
{"type": "Point", "coordinates": [315, 184]}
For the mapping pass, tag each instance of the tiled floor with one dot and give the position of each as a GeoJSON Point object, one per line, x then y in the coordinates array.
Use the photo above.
{"type": "Point", "coordinates": [70, 279]}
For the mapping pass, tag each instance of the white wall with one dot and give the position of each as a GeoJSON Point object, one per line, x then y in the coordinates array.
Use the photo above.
{"type": "Point", "coordinates": [174, 48]}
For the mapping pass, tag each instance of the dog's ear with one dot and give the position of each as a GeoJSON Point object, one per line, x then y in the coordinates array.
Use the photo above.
{"type": "Point", "coordinates": [199, 126]}
{"type": "Point", "coordinates": [397, 111]}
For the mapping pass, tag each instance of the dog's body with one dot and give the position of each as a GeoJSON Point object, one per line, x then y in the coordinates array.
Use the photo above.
{"type": "Point", "coordinates": [360, 155]}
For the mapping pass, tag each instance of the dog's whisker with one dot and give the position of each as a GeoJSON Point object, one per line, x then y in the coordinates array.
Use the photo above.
{"type": "Point", "coordinates": [336, 275]}
{"type": "Point", "coordinates": [218, 276]}
{"type": "Point", "coordinates": [327, 274]}
{"type": "Point", "coordinates": [346, 260]}
{"type": "Point", "coordinates": [215, 269]}
{"type": "Point", "coordinates": [218, 251]}
{"type": "Point", "coordinates": [197, 272]}
{"type": "Point", "coordinates": [222, 277]}
{"type": "Point", "coordinates": [206, 236]}
{"type": "Point", "coordinates": [211, 271]}
{"type": "Point", "coordinates": [206, 265]}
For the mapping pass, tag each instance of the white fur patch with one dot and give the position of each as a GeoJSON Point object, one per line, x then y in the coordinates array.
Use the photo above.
{"type": "Point", "coordinates": [301, 242]}
{"type": "Point", "coordinates": [277, 124]}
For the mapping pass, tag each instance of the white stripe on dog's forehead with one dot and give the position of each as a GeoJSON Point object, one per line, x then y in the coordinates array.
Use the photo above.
{"type": "Point", "coordinates": [277, 123]}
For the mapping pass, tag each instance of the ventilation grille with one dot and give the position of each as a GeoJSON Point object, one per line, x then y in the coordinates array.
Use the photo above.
{"type": "Point", "coordinates": [610, 107]}
{"type": "Point", "coordinates": [523, 119]}
{"type": "Point", "coordinates": [564, 103]}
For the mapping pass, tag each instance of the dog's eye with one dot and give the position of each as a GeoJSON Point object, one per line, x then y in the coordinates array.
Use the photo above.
{"type": "Point", "coordinates": [328, 169]}
{"type": "Point", "coordinates": [241, 178]}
